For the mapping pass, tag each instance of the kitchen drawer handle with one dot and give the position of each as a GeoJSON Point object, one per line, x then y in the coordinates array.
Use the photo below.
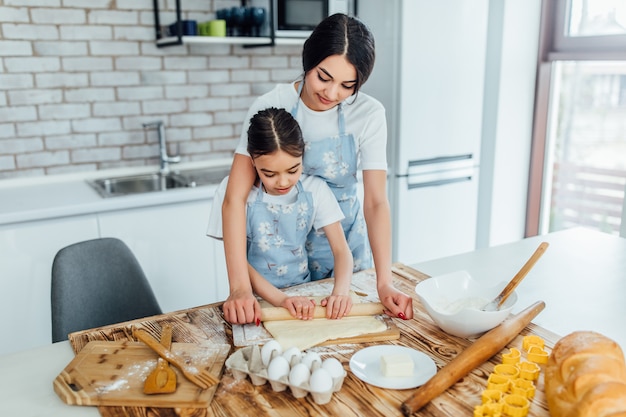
{"type": "Point", "coordinates": [438, 182]}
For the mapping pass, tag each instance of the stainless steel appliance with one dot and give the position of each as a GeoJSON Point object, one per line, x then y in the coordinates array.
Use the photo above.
{"type": "Point", "coordinates": [297, 18]}
{"type": "Point", "coordinates": [429, 74]}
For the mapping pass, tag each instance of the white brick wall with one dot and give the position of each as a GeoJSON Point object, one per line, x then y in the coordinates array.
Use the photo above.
{"type": "Point", "coordinates": [79, 77]}
{"type": "Point", "coordinates": [32, 64]}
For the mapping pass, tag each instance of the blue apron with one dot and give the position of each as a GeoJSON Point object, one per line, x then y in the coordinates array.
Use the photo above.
{"type": "Point", "coordinates": [334, 160]}
{"type": "Point", "coordinates": [276, 238]}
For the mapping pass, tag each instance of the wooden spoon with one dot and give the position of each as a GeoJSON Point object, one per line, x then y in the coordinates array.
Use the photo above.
{"type": "Point", "coordinates": [501, 298]}
{"type": "Point", "coordinates": [162, 380]}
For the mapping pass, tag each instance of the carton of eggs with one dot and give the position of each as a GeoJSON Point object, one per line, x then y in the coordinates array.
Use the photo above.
{"type": "Point", "coordinates": [301, 372]}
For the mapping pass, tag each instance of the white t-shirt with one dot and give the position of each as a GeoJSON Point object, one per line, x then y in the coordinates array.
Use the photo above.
{"type": "Point", "coordinates": [365, 119]}
{"type": "Point", "coordinates": [326, 209]}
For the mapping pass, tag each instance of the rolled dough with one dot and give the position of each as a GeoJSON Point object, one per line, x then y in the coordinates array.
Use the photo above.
{"type": "Point", "coordinates": [304, 334]}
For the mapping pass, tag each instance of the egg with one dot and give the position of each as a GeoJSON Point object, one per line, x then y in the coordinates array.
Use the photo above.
{"type": "Point", "coordinates": [292, 352]}
{"type": "Point", "coordinates": [321, 381]}
{"type": "Point", "coordinates": [267, 349]}
{"type": "Point", "coordinates": [278, 368]}
{"type": "Point", "coordinates": [299, 374]}
{"type": "Point", "coordinates": [334, 367]}
{"type": "Point", "coordinates": [310, 358]}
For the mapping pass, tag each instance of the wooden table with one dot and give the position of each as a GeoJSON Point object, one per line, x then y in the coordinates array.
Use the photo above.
{"type": "Point", "coordinates": [205, 325]}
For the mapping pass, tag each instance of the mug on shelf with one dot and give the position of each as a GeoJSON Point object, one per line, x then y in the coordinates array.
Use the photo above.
{"type": "Point", "coordinates": [189, 28]}
{"type": "Point", "coordinates": [217, 27]}
{"type": "Point", "coordinates": [212, 28]}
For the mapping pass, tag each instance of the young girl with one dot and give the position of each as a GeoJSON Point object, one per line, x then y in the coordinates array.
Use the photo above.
{"type": "Point", "coordinates": [283, 206]}
{"type": "Point", "coordinates": [345, 130]}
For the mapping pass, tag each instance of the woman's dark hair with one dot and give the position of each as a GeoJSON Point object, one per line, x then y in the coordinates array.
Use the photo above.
{"type": "Point", "coordinates": [274, 129]}
{"type": "Point", "coordinates": [340, 34]}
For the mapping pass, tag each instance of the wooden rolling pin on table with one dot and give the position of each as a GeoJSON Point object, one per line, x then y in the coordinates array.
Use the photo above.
{"type": "Point", "coordinates": [475, 355]}
{"type": "Point", "coordinates": [358, 309]}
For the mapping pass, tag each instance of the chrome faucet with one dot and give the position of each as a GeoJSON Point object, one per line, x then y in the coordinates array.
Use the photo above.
{"type": "Point", "coordinates": [164, 158]}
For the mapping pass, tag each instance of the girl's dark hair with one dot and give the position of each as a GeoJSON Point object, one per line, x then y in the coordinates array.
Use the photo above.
{"type": "Point", "coordinates": [340, 34]}
{"type": "Point", "coordinates": [274, 129]}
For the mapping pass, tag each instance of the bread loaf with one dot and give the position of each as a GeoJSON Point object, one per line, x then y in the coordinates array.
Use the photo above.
{"type": "Point", "coordinates": [586, 377]}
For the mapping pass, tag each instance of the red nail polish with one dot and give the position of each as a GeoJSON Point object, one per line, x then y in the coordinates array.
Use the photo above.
{"type": "Point", "coordinates": [402, 316]}
{"type": "Point", "coordinates": [258, 321]}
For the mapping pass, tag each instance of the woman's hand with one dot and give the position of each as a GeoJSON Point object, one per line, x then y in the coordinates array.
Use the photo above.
{"type": "Point", "coordinates": [337, 306]}
{"type": "Point", "coordinates": [396, 303]}
{"type": "Point", "coordinates": [242, 307]}
{"type": "Point", "coordinates": [299, 307]}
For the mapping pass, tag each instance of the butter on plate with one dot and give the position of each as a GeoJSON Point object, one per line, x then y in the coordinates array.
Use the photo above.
{"type": "Point", "coordinates": [396, 366]}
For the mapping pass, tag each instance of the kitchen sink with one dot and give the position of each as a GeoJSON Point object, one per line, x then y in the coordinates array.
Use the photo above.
{"type": "Point", "coordinates": [111, 187]}
{"type": "Point", "coordinates": [205, 176]}
{"type": "Point", "coordinates": [146, 183]}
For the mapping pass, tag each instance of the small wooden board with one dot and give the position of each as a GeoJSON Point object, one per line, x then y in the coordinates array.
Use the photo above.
{"type": "Point", "coordinates": [113, 373]}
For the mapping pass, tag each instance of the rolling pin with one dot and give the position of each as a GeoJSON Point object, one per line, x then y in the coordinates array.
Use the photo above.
{"type": "Point", "coordinates": [476, 354]}
{"type": "Point", "coordinates": [358, 309]}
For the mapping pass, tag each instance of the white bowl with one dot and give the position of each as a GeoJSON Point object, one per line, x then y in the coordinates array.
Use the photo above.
{"type": "Point", "coordinates": [454, 301]}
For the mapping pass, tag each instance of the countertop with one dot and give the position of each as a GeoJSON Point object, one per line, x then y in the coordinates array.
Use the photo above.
{"type": "Point", "coordinates": [581, 277]}
{"type": "Point", "coordinates": [41, 198]}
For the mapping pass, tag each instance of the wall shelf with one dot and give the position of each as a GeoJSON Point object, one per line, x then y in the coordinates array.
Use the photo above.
{"type": "Point", "coordinates": [246, 42]}
{"type": "Point", "coordinates": [229, 40]}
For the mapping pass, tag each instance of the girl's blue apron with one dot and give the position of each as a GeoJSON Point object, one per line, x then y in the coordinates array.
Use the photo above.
{"type": "Point", "coordinates": [334, 160]}
{"type": "Point", "coordinates": [276, 236]}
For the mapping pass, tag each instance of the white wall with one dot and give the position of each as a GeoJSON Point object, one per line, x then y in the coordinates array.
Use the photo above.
{"type": "Point", "coordinates": [507, 120]}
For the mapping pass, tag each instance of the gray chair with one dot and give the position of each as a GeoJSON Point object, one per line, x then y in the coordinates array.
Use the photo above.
{"type": "Point", "coordinates": [96, 283]}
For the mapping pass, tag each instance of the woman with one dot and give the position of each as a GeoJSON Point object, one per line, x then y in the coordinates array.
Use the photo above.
{"type": "Point", "coordinates": [342, 129]}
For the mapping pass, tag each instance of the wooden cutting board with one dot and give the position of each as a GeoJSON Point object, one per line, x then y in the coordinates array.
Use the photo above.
{"type": "Point", "coordinates": [250, 334]}
{"type": "Point", "coordinates": [113, 373]}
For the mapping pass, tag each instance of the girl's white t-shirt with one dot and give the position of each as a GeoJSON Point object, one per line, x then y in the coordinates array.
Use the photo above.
{"type": "Point", "coordinates": [364, 118]}
{"type": "Point", "coordinates": [326, 209]}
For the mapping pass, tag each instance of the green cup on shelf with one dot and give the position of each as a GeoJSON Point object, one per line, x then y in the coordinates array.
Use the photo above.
{"type": "Point", "coordinates": [203, 29]}
{"type": "Point", "coordinates": [217, 27]}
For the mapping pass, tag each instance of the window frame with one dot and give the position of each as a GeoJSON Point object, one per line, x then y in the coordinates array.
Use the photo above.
{"type": "Point", "coordinates": [582, 48]}
{"type": "Point", "coordinates": [555, 45]}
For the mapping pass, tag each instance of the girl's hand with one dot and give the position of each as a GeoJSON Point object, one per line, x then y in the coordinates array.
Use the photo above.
{"type": "Point", "coordinates": [242, 308]}
{"type": "Point", "coordinates": [337, 306]}
{"type": "Point", "coordinates": [300, 307]}
{"type": "Point", "coordinates": [396, 303]}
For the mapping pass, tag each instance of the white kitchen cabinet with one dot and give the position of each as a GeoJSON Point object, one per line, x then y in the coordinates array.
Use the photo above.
{"type": "Point", "coordinates": [185, 267]}
{"type": "Point", "coordinates": [182, 263]}
{"type": "Point", "coordinates": [220, 273]}
{"type": "Point", "coordinates": [166, 230]}
{"type": "Point", "coordinates": [26, 254]}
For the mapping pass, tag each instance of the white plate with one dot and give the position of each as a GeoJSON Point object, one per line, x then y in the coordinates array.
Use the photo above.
{"type": "Point", "coordinates": [365, 365]}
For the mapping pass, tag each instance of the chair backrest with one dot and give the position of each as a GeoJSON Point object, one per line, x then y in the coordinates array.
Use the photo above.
{"type": "Point", "coordinates": [96, 283]}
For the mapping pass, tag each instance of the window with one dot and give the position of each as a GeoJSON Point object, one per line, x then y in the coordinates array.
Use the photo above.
{"type": "Point", "coordinates": [578, 174]}
{"type": "Point", "coordinates": [596, 18]}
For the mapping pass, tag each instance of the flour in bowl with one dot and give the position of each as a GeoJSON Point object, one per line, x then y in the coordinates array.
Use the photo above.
{"type": "Point", "coordinates": [463, 303]}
